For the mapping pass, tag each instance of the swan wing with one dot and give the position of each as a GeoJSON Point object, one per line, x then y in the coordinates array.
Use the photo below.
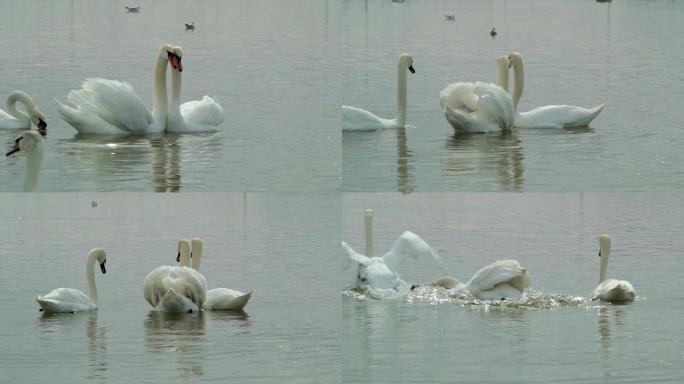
{"type": "Point", "coordinates": [187, 282]}
{"type": "Point", "coordinates": [477, 107]}
{"type": "Point", "coordinates": [614, 291]}
{"type": "Point", "coordinates": [112, 101]}
{"type": "Point", "coordinates": [558, 116]}
{"type": "Point", "coordinates": [153, 289]}
{"type": "Point", "coordinates": [206, 112]}
{"type": "Point", "coordinates": [410, 245]}
{"type": "Point", "coordinates": [508, 272]}
{"type": "Point", "coordinates": [357, 119]}
{"type": "Point", "coordinates": [354, 257]}
{"type": "Point", "coordinates": [228, 299]}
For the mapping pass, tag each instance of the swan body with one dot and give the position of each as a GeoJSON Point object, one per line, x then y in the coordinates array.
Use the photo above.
{"type": "Point", "coordinates": [218, 298]}
{"type": "Point", "coordinates": [354, 119]}
{"type": "Point", "coordinates": [73, 300]}
{"type": "Point", "coordinates": [16, 119]}
{"type": "Point", "coordinates": [611, 290]}
{"type": "Point", "coordinates": [503, 279]}
{"type": "Point", "coordinates": [194, 116]}
{"type": "Point", "coordinates": [479, 107]}
{"type": "Point", "coordinates": [32, 143]}
{"type": "Point", "coordinates": [163, 286]}
{"type": "Point", "coordinates": [110, 107]}
{"type": "Point", "coordinates": [550, 116]}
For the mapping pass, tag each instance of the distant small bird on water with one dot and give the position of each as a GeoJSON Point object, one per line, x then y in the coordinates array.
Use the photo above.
{"type": "Point", "coordinates": [132, 9]}
{"type": "Point", "coordinates": [492, 33]}
{"type": "Point", "coordinates": [450, 17]}
{"type": "Point", "coordinates": [93, 203]}
{"type": "Point", "coordinates": [190, 26]}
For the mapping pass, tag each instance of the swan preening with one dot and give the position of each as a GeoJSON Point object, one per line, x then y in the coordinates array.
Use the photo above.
{"type": "Point", "coordinates": [73, 300]}
{"type": "Point", "coordinates": [360, 119]}
{"type": "Point", "coordinates": [31, 143]}
{"type": "Point", "coordinates": [550, 116]}
{"type": "Point", "coordinates": [176, 288]}
{"type": "Point", "coordinates": [104, 106]}
{"type": "Point", "coordinates": [16, 119]}
{"type": "Point", "coordinates": [380, 272]}
{"type": "Point", "coordinates": [610, 289]}
{"type": "Point", "coordinates": [503, 279]}
{"type": "Point", "coordinates": [217, 298]}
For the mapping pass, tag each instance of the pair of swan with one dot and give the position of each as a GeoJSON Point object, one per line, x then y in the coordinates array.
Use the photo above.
{"type": "Point", "coordinates": [485, 107]}
{"type": "Point", "coordinates": [73, 300]}
{"type": "Point", "coordinates": [183, 288]}
{"type": "Point", "coordinates": [104, 106]}
{"type": "Point", "coordinates": [16, 119]}
{"type": "Point", "coordinates": [501, 279]}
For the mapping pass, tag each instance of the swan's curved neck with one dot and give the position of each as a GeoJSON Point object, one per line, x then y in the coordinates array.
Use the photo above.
{"type": "Point", "coordinates": [33, 162]}
{"type": "Point", "coordinates": [605, 253]}
{"type": "Point", "coordinates": [502, 76]}
{"type": "Point", "coordinates": [401, 94]}
{"type": "Point", "coordinates": [90, 277]}
{"type": "Point", "coordinates": [176, 85]}
{"type": "Point", "coordinates": [160, 103]}
{"type": "Point", "coordinates": [11, 106]}
{"type": "Point", "coordinates": [184, 256]}
{"type": "Point", "coordinates": [196, 254]}
{"type": "Point", "coordinates": [518, 82]}
{"type": "Point", "coordinates": [369, 232]}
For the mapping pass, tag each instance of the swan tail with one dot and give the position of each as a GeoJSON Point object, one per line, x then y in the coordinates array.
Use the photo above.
{"type": "Point", "coordinates": [594, 112]}
{"type": "Point", "coordinates": [239, 302]}
{"type": "Point", "coordinates": [48, 305]}
{"type": "Point", "coordinates": [70, 115]}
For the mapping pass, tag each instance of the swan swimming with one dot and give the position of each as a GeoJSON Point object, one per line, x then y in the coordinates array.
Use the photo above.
{"type": "Point", "coordinates": [16, 119]}
{"type": "Point", "coordinates": [30, 142]}
{"type": "Point", "coordinates": [550, 116]}
{"type": "Point", "coordinates": [176, 288]}
{"type": "Point", "coordinates": [611, 290]}
{"type": "Point", "coordinates": [380, 272]}
{"type": "Point", "coordinates": [194, 116]}
{"type": "Point", "coordinates": [112, 107]}
{"type": "Point", "coordinates": [359, 119]}
{"type": "Point", "coordinates": [477, 107]}
{"type": "Point", "coordinates": [218, 298]}
{"type": "Point", "coordinates": [503, 279]}
{"type": "Point", "coordinates": [73, 300]}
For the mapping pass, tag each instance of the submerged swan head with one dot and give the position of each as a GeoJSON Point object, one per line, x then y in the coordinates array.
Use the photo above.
{"type": "Point", "coordinates": [28, 141]}
{"type": "Point", "coordinates": [100, 256]}
{"type": "Point", "coordinates": [175, 55]}
{"type": "Point", "coordinates": [407, 60]}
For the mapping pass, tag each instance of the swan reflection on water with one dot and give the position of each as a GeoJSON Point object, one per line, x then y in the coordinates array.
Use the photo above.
{"type": "Point", "coordinates": [182, 334]}
{"type": "Point", "coordinates": [607, 316]}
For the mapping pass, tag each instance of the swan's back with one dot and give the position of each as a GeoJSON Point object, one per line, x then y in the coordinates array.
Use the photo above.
{"type": "Point", "coordinates": [558, 116]}
{"type": "Point", "coordinates": [615, 291]}
{"type": "Point", "coordinates": [357, 119]}
{"type": "Point", "coordinates": [8, 121]}
{"type": "Point", "coordinates": [228, 299]}
{"type": "Point", "coordinates": [112, 101]}
{"type": "Point", "coordinates": [498, 273]}
{"type": "Point", "coordinates": [477, 107]}
{"type": "Point", "coordinates": [206, 114]}
{"type": "Point", "coordinates": [185, 281]}
{"type": "Point", "coordinates": [65, 300]}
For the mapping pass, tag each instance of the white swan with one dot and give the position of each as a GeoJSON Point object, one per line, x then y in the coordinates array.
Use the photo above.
{"type": "Point", "coordinates": [218, 298]}
{"type": "Point", "coordinates": [477, 107]}
{"type": "Point", "coordinates": [550, 116]}
{"type": "Point", "coordinates": [16, 119]}
{"type": "Point", "coordinates": [112, 107]}
{"type": "Point", "coordinates": [194, 116]}
{"type": "Point", "coordinates": [174, 288]}
{"type": "Point", "coordinates": [32, 143]}
{"type": "Point", "coordinates": [610, 289]}
{"type": "Point", "coordinates": [73, 300]}
{"type": "Point", "coordinates": [380, 272]}
{"type": "Point", "coordinates": [503, 279]}
{"type": "Point", "coordinates": [360, 119]}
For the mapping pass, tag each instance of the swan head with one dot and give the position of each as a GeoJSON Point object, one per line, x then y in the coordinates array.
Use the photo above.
{"type": "Point", "coordinates": [503, 61]}
{"type": "Point", "coordinates": [377, 275]}
{"type": "Point", "coordinates": [407, 60]}
{"type": "Point", "coordinates": [27, 142]}
{"type": "Point", "coordinates": [514, 58]}
{"type": "Point", "coordinates": [184, 250]}
{"type": "Point", "coordinates": [101, 257]}
{"type": "Point", "coordinates": [175, 55]}
{"type": "Point", "coordinates": [604, 245]}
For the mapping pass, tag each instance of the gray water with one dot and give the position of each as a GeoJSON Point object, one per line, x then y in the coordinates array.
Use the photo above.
{"type": "Point", "coordinates": [555, 236]}
{"type": "Point", "coordinates": [282, 246]}
{"type": "Point", "coordinates": [270, 64]}
{"type": "Point", "coordinates": [627, 53]}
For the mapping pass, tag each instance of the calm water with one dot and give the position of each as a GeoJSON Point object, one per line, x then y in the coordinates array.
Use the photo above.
{"type": "Point", "coordinates": [278, 245]}
{"type": "Point", "coordinates": [627, 54]}
{"type": "Point", "coordinates": [556, 237]}
{"type": "Point", "coordinates": [270, 63]}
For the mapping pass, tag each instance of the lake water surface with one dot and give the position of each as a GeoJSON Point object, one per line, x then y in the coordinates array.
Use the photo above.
{"type": "Point", "coordinates": [279, 245]}
{"type": "Point", "coordinates": [559, 335]}
{"type": "Point", "coordinates": [270, 64]}
{"type": "Point", "coordinates": [626, 53]}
